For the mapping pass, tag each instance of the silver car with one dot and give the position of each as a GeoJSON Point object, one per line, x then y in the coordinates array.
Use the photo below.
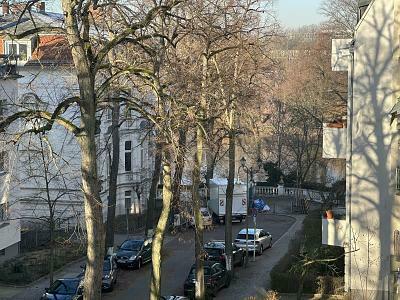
{"type": "Point", "coordinates": [262, 238]}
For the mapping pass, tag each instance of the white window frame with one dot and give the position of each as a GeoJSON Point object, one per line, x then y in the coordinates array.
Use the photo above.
{"type": "Point", "coordinates": [7, 45]}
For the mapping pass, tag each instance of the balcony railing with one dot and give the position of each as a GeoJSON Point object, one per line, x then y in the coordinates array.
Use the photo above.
{"type": "Point", "coordinates": [335, 231]}
{"type": "Point", "coordinates": [334, 141]}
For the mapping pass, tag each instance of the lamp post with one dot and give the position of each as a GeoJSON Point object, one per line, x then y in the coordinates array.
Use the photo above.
{"type": "Point", "coordinates": [247, 170]}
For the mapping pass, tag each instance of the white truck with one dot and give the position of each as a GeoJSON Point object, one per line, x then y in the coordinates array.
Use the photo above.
{"type": "Point", "coordinates": [217, 202]}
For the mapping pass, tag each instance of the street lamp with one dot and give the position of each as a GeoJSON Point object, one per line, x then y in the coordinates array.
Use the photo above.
{"type": "Point", "coordinates": [247, 170]}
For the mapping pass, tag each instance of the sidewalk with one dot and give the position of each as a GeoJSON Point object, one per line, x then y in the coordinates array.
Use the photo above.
{"type": "Point", "coordinates": [256, 276]}
{"type": "Point", "coordinates": [36, 289]}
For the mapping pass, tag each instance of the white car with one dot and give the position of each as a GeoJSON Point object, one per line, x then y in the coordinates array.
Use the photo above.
{"type": "Point", "coordinates": [262, 238]}
{"type": "Point", "coordinates": [207, 219]}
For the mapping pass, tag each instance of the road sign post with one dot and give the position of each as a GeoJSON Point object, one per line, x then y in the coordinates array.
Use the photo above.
{"type": "Point", "coordinates": [254, 233]}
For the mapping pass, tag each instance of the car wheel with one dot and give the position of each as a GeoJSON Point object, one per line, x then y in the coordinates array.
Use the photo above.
{"type": "Point", "coordinates": [261, 250]}
{"type": "Point", "coordinates": [139, 265]}
{"type": "Point", "coordinates": [270, 243]}
{"type": "Point", "coordinates": [111, 287]}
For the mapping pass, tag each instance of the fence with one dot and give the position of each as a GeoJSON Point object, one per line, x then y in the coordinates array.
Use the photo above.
{"type": "Point", "coordinates": [311, 195]}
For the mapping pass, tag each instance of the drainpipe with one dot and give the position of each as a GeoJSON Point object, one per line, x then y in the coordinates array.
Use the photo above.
{"type": "Point", "coordinates": [349, 160]}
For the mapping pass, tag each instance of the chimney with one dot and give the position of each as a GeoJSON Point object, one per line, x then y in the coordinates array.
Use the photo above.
{"type": "Point", "coordinates": [41, 6]}
{"type": "Point", "coordinates": [6, 8]}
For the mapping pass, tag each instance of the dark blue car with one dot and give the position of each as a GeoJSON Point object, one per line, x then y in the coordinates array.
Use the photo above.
{"type": "Point", "coordinates": [64, 289]}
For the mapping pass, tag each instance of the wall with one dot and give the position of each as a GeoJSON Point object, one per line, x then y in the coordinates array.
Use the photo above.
{"type": "Point", "coordinates": [372, 166]}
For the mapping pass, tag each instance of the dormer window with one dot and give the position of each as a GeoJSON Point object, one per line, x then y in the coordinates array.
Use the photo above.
{"type": "Point", "coordinates": [13, 48]}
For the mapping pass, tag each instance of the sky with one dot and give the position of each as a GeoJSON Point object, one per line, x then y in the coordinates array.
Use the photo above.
{"type": "Point", "coordinates": [296, 13]}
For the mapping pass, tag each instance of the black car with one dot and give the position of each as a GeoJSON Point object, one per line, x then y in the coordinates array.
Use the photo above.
{"type": "Point", "coordinates": [64, 289]}
{"type": "Point", "coordinates": [134, 253]}
{"type": "Point", "coordinates": [215, 278]}
{"type": "Point", "coordinates": [216, 252]}
{"type": "Point", "coordinates": [110, 273]}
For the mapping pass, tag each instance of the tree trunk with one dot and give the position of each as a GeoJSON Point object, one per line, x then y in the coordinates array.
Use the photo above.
{"type": "Point", "coordinates": [155, 286]}
{"type": "Point", "coordinates": [179, 166]}
{"type": "Point", "coordinates": [199, 229]}
{"type": "Point", "coordinates": [300, 288]}
{"type": "Point", "coordinates": [210, 160]}
{"type": "Point", "coordinates": [52, 249]}
{"type": "Point", "coordinates": [112, 190]}
{"type": "Point", "coordinates": [229, 200]}
{"type": "Point", "coordinates": [86, 138]}
{"type": "Point", "coordinates": [153, 188]}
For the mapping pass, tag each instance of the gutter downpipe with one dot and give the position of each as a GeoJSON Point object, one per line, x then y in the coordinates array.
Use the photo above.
{"type": "Point", "coordinates": [349, 160]}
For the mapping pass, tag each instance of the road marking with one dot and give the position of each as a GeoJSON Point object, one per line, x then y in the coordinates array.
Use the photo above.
{"type": "Point", "coordinates": [287, 232]}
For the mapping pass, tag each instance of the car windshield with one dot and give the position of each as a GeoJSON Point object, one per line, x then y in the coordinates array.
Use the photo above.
{"type": "Point", "coordinates": [131, 245]}
{"type": "Point", "coordinates": [213, 251]}
{"type": "Point", "coordinates": [207, 272]}
{"type": "Point", "coordinates": [107, 265]}
{"type": "Point", "coordinates": [243, 236]}
{"type": "Point", "coordinates": [64, 287]}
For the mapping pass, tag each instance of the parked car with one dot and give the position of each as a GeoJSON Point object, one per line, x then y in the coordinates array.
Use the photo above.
{"type": "Point", "coordinates": [134, 253]}
{"type": "Point", "coordinates": [215, 278]}
{"type": "Point", "coordinates": [64, 289]}
{"type": "Point", "coordinates": [207, 219]}
{"type": "Point", "coordinates": [174, 298]}
{"type": "Point", "coordinates": [262, 238]}
{"type": "Point", "coordinates": [216, 252]}
{"type": "Point", "coordinates": [110, 273]}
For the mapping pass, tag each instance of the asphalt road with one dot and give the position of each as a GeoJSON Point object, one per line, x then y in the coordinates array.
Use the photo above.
{"type": "Point", "coordinates": [179, 256]}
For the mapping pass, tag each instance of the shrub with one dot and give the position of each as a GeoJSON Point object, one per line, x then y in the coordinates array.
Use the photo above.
{"type": "Point", "coordinates": [309, 241]}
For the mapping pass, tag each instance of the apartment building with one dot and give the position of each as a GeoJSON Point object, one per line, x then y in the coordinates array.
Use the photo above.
{"type": "Point", "coordinates": [368, 141]}
{"type": "Point", "coordinates": [46, 76]}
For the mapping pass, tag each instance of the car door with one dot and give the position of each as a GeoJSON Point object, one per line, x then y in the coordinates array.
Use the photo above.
{"type": "Point", "coordinates": [261, 238]}
{"type": "Point", "coordinates": [147, 251]}
{"type": "Point", "coordinates": [219, 273]}
{"type": "Point", "coordinates": [114, 269]}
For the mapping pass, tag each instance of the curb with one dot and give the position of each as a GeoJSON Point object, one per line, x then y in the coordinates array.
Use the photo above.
{"type": "Point", "coordinates": [289, 229]}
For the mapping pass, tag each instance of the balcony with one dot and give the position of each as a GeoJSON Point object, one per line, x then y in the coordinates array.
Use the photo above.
{"type": "Point", "coordinates": [340, 55]}
{"type": "Point", "coordinates": [335, 231]}
{"type": "Point", "coordinates": [334, 140]}
{"type": "Point", "coordinates": [10, 232]}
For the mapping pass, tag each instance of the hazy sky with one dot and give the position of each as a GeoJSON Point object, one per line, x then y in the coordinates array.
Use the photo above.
{"type": "Point", "coordinates": [296, 13]}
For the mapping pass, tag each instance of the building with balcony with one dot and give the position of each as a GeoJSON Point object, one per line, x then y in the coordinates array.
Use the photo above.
{"type": "Point", "coordinates": [45, 78]}
{"type": "Point", "coordinates": [371, 227]}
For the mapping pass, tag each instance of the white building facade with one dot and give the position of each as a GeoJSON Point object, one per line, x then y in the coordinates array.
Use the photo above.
{"type": "Point", "coordinates": [369, 144]}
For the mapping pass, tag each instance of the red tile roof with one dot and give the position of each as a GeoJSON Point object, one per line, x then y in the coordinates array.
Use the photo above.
{"type": "Point", "coordinates": [52, 49]}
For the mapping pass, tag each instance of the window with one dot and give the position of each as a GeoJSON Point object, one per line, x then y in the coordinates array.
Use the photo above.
{"type": "Point", "coordinates": [23, 52]}
{"type": "Point", "coordinates": [13, 48]}
{"type": "Point", "coordinates": [2, 212]}
{"type": "Point", "coordinates": [128, 156]}
{"type": "Point", "coordinates": [128, 200]}
{"type": "Point", "coordinates": [141, 158]}
{"type": "Point", "coordinates": [3, 109]}
{"type": "Point", "coordinates": [3, 161]}
{"type": "Point", "coordinates": [2, 252]}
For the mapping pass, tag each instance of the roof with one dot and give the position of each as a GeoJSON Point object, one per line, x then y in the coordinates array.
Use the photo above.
{"type": "Point", "coordinates": [51, 50]}
{"type": "Point", "coordinates": [251, 231]}
{"type": "Point", "coordinates": [12, 23]}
